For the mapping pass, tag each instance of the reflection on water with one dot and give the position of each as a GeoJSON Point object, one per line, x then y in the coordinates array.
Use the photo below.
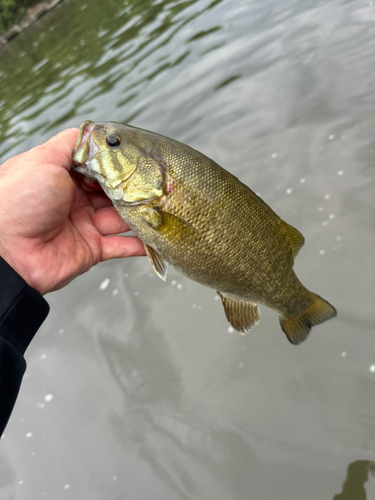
{"type": "Point", "coordinates": [153, 397]}
{"type": "Point", "coordinates": [194, 452]}
{"type": "Point", "coordinates": [358, 474]}
{"type": "Point", "coordinates": [124, 52]}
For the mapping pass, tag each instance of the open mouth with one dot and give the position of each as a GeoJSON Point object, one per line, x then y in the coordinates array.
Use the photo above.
{"type": "Point", "coordinates": [85, 147]}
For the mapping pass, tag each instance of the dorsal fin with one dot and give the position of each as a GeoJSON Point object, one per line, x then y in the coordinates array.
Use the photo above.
{"type": "Point", "coordinates": [240, 313]}
{"type": "Point", "coordinates": [293, 236]}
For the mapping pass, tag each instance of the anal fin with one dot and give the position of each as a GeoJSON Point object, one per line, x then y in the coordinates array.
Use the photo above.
{"type": "Point", "coordinates": [241, 314]}
{"type": "Point", "coordinates": [157, 262]}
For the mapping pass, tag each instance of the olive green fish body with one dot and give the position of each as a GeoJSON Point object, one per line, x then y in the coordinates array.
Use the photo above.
{"type": "Point", "coordinates": [211, 227]}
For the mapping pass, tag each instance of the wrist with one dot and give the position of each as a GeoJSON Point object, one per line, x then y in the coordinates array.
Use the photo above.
{"type": "Point", "coordinates": [19, 270]}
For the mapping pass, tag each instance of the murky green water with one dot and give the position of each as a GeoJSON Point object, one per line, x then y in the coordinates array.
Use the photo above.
{"type": "Point", "coordinates": [135, 388]}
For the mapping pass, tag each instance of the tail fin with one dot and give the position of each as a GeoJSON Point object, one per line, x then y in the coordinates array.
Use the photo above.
{"type": "Point", "coordinates": [298, 327]}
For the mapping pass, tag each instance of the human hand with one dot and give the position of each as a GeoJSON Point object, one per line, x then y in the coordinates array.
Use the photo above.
{"type": "Point", "coordinates": [55, 225]}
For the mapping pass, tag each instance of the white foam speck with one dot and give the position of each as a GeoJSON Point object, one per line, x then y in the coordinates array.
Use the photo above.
{"type": "Point", "coordinates": [20, 482]}
{"type": "Point", "coordinates": [29, 434]}
{"type": "Point", "coordinates": [322, 252]}
{"type": "Point", "coordinates": [43, 356]}
{"type": "Point", "coordinates": [48, 398]}
{"type": "Point", "coordinates": [325, 223]}
{"type": "Point", "coordinates": [344, 354]}
{"type": "Point", "coordinates": [372, 368]}
{"type": "Point", "coordinates": [179, 286]}
{"type": "Point", "coordinates": [320, 209]}
{"type": "Point", "coordinates": [274, 155]}
{"type": "Point", "coordinates": [216, 297]}
{"type": "Point", "coordinates": [114, 292]}
{"type": "Point", "coordinates": [331, 137]}
{"type": "Point", "coordinates": [104, 284]}
{"type": "Point", "coordinates": [327, 196]}
{"type": "Point", "coordinates": [173, 282]}
{"type": "Point", "coordinates": [332, 216]}
{"type": "Point", "coordinates": [340, 172]}
{"type": "Point", "coordinates": [289, 191]}
{"type": "Point", "coordinates": [230, 329]}
{"type": "Point", "coordinates": [40, 405]}
{"type": "Point", "coordinates": [303, 180]}
{"type": "Point", "coordinates": [66, 487]}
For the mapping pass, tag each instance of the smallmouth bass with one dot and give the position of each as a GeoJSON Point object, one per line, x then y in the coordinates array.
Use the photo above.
{"type": "Point", "coordinates": [193, 214]}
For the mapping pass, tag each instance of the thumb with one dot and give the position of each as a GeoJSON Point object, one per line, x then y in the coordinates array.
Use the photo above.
{"type": "Point", "coordinates": [59, 149]}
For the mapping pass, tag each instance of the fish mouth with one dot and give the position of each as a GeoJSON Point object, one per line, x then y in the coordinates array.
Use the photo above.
{"type": "Point", "coordinates": [85, 148]}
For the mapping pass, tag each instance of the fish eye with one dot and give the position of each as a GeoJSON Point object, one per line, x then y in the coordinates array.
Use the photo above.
{"type": "Point", "coordinates": [113, 141]}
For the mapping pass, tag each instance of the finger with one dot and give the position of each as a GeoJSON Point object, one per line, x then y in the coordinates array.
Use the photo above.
{"type": "Point", "coordinates": [114, 247]}
{"type": "Point", "coordinates": [92, 184]}
{"type": "Point", "coordinates": [59, 149]}
{"type": "Point", "coordinates": [99, 200]}
{"type": "Point", "coordinates": [88, 185]}
{"type": "Point", "coordinates": [107, 221]}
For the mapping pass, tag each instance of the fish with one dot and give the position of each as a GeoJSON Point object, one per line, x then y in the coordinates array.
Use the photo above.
{"type": "Point", "coordinates": [193, 214]}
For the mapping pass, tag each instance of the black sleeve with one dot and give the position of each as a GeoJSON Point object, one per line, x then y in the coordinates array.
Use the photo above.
{"type": "Point", "coordinates": [22, 311]}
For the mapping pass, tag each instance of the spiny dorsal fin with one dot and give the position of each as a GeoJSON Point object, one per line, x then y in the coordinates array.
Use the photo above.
{"type": "Point", "coordinates": [159, 265]}
{"type": "Point", "coordinates": [294, 237]}
{"type": "Point", "coordinates": [240, 313]}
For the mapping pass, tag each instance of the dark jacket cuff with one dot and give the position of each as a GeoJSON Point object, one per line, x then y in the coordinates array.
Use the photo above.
{"type": "Point", "coordinates": [22, 308]}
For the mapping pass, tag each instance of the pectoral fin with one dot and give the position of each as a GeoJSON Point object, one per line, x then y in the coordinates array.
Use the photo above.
{"type": "Point", "coordinates": [159, 265]}
{"type": "Point", "coordinates": [241, 314]}
{"type": "Point", "coordinates": [176, 229]}
{"type": "Point", "coordinates": [173, 219]}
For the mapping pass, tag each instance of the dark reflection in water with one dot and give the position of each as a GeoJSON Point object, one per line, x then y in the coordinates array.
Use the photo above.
{"type": "Point", "coordinates": [357, 475]}
{"type": "Point", "coordinates": [185, 449]}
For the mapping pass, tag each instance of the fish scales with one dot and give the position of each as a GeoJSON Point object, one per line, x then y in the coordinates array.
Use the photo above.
{"type": "Point", "coordinates": [195, 215]}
